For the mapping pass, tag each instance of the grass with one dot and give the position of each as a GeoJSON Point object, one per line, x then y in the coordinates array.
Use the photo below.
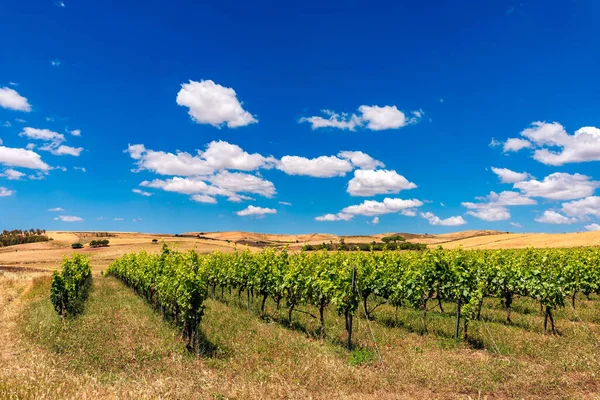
{"type": "Point", "coordinates": [120, 348]}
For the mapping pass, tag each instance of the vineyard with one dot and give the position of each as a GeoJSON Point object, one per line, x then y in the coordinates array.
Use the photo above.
{"type": "Point", "coordinates": [177, 284]}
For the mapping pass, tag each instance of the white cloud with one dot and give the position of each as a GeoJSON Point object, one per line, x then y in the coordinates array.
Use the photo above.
{"type": "Point", "coordinates": [488, 212]}
{"type": "Point", "coordinates": [82, 169]}
{"type": "Point", "coordinates": [12, 174]}
{"type": "Point", "coordinates": [559, 186]}
{"type": "Point", "coordinates": [213, 104]}
{"type": "Point", "coordinates": [118, 219]}
{"type": "Point", "coordinates": [516, 224]}
{"type": "Point", "coordinates": [202, 198]}
{"type": "Point", "coordinates": [508, 176]}
{"type": "Point", "coordinates": [334, 217]}
{"type": "Point", "coordinates": [245, 183]}
{"type": "Point", "coordinates": [516, 144]}
{"type": "Point", "coordinates": [6, 124]}
{"type": "Point", "coordinates": [593, 227]}
{"type": "Point", "coordinates": [62, 150]}
{"type": "Point", "coordinates": [335, 120]}
{"type": "Point", "coordinates": [373, 208]}
{"type": "Point", "coordinates": [12, 100]}
{"type": "Point", "coordinates": [60, 4]}
{"type": "Point", "coordinates": [42, 134]}
{"type": "Point", "coordinates": [57, 209]}
{"type": "Point", "coordinates": [141, 192]}
{"type": "Point", "coordinates": [582, 208]}
{"type": "Point", "coordinates": [68, 218]}
{"type": "Point", "coordinates": [4, 192]}
{"type": "Point", "coordinates": [435, 220]}
{"type": "Point", "coordinates": [360, 159]}
{"type": "Point", "coordinates": [494, 143]}
{"type": "Point", "coordinates": [552, 217]}
{"type": "Point", "coordinates": [285, 203]}
{"type": "Point", "coordinates": [256, 211]}
{"type": "Point", "coordinates": [320, 167]}
{"type": "Point", "coordinates": [223, 155]}
{"type": "Point", "coordinates": [184, 186]}
{"type": "Point", "coordinates": [371, 117]}
{"type": "Point", "coordinates": [372, 182]}
{"type": "Point", "coordinates": [409, 213]}
{"type": "Point", "coordinates": [55, 63]}
{"type": "Point", "coordinates": [75, 132]}
{"type": "Point", "coordinates": [20, 120]}
{"type": "Point", "coordinates": [12, 157]}
{"type": "Point", "coordinates": [238, 198]}
{"type": "Point", "coordinates": [386, 117]}
{"type": "Point", "coordinates": [494, 206]}
{"type": "Point", "coordinates": [375, 221]}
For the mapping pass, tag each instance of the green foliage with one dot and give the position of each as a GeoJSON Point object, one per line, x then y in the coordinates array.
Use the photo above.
{"type": "Point", "coordinates": [393, 238]}
{"type": "Point", "coordinates": [18, 236]}
{"type": "Point", "coordinates": [77, 245]}
{"type": "Point", "coordinates": [70, 286]}
{"type": "Point", "coordinates": [99, 243]}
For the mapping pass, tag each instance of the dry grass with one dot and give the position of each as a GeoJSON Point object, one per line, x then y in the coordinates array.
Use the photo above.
{"type": "Point", "coordinates": [120, 348]}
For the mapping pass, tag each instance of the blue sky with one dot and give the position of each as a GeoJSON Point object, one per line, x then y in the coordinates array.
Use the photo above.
{"type": "Point", "coordinates": [389, 116]}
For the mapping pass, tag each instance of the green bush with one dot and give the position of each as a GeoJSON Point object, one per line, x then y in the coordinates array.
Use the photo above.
{"type": "Point", "coordinates": [70, 287]}
{"type": "Point", "coordinates": [77, 246]}
{"type": "Point", "coordinates": [99, 243]}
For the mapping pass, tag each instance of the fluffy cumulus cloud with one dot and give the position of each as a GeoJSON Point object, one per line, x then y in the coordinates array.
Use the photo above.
{"type": "Point", "coordinates": [42, 134]}
{"type": "Point", "coordinates": [372, 182]}
{"type": "Point", "coordinates": [508, 176]}
{"type": "Point", "coordinates": [493, 206]}
{"type": "Point", "coordinates": [237, 182]}
{"type": "Point", "coordinates": [213, 104]}
{"type": "Point", "coordinates": [12, 100]}
{"type": "Point", "coordinates": [320, 167]}
{"type": "Point", "coordinates": [4, 192]}
{"type": "Point", "coordinates": [334, 217]}
{"type": "Point", "coordinates": [552, 217]}
{"type": "Point", "coordinates": [555, 146]}
{"type": "Point", "coordinates": [218, 155]}
{"type": "Point", "coordinates": [14, 157]}
{"type": "Point", "coordinates": [62, 150]}
{"type": "Point", "coordinates": [516, 144]}
{"type": "Point", "coordinates": [559, 186]}
{"type": "Point", "coordinates": [68, 218]}
{"type": "Point", "coordinates": [589, 206]}
{"type": "Point", "coordinates": [372, 208]}
{"type": "Point", "coordinates": [258, 212]}
{"type": "Point", "coordinates": [375, 118]}
{"type": "Point", "coordinates": [361, 160]}
{"type": "Point", "coordinates": [435, 220]}
{"type": "Point", "coordinates": [202, 198]}
{"type": "Point", "coordinates": [593, 227]}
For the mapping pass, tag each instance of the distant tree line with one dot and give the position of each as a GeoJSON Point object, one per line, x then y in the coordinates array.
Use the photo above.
{"type": "Point", "coordinates": [18, 236]}
{"type": "Point", "coordinates": [99, 243]}
{"type": "Point", "coordinates": [394, 243]}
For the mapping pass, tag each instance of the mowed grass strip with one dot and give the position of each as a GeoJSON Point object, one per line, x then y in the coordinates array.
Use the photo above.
{"type": "Point", "coordinates": [119, 347]}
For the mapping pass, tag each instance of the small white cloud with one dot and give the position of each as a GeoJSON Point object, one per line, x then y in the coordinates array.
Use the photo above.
{"type": "Point", "coordinates": [256, 211]}
{"type": "Point", "coordinates": [361, 160]}
{"type": "Point", "coordinates": [4, 192]}
{"type": "Point", "coordinates": [516, 144]}
{"type": "Point", "coordinates": [60, 4]}
{"type": "Point", "coordinates": [334, 217]}
{"type": "Point", "coordinates": [57, 209]}
{"type": "Point", "coordinates": [508, 176]}
{"type": "Point", "coordinates": [12, 100]}
{"type": "Point", "coordinates": [55, 63]}
{"type": "Point", "coordinates": [494, 143]}
{"type": "Point", "coordinates": [435, 220]}
{"type": "Point", "coordinates": [202, 198]}
{"type": "Point", "coordinates": [12, 174]}
{"type": "Point", "coordinates": [593, 227]}
{"type": "Point", "coordinates": [50, 119]}
{"type": "Point", "coordinates": [320, 167]}
{"type": "Point", "coordinates": [82, 169]}
{"type": "Point", "coordinates": [552, 217]}
{"type": "Point", "coordinates": [213, 104]}
{"type": "Point", "coordinates": [42, 134]}
{"type": "Point", "coordinates": [75, 132]}
{"type": "Point", "coordinates": [373, 182]}
{"type": "Point", "coordinates": [6, 124]}
{"type": "Point", "coordinates": [375, 221]}
{"type": "Point", "coordinates": [141, 192]}
{"type": "Point", "coordinates": [335, 120]}
{"type": "Point", "coordinates": [375, 118]}
{"type": "Point", "coordinates": [62, 150]}
{"type": "Point", "coordinates": [285, 203]}
{"type": "Point", "coordinates": [372, 208]}
{"type": "Point", "coordinates": [119, 219]}
{"type": "Point", "coordinates": [20, 120]}
{"type": "Point", "coordinates": [409, 213]}
{"type": "Point", "coordinates": [516, 224]}
{"type": "Point", "coordinates": [68, 218]}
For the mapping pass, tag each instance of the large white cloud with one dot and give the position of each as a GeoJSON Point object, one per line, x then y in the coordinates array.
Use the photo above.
{"type": "Point", "coordinates": [552, 217]}
{"type": "Point", "coordinates": [12, 100]}
{"type": "Point", "coordinates": [508, 176]}
{"type": "Point", "coordinates": [559, 186]}
{"type": "Point", "coordinates": [320, 167]}
{"type": "Point", "coordinates": [213, 104]}
{"type": "Point", "coordinates": [256, 211]}
{"type": "Point", "coordinates": [13, 157]}
{"type": "Point", "coordinates": [372, 182]}
{"type": "Point", "coordinates": [375, 118]}
{"type": "Point", "coordinates": [435, 220]}
{"type": "Point", "coordinates": [557, 147]}
{"type": "Point", "coordinates": [582, 208]}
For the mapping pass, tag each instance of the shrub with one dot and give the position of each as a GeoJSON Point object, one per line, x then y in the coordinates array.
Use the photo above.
{"type": "Point", "coordinates": [77, 246]}
{"type": "Point", "coordinates": [70, 287]}
{"type": "Point", "coordinates": [155, 241]}
{"type": "Point", "coordinates": [99, 243]}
